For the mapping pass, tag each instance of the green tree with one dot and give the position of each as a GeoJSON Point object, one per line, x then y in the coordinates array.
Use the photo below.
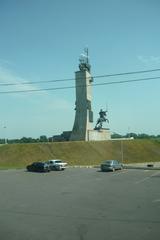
{"type": "Point", "coordinates": [43, 138]}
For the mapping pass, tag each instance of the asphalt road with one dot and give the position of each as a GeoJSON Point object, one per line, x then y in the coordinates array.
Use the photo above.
{"type": "Point", "coordinates": [80, 204]}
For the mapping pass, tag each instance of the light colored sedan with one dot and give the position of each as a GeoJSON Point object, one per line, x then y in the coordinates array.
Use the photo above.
{"type": "Point", "coordinates": [56, 164]}
{"type": "Point", "coordinates": [111, 165]}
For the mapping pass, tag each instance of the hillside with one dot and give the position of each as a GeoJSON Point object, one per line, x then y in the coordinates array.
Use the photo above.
{"type": "Point", "coordinates": [80, 153]}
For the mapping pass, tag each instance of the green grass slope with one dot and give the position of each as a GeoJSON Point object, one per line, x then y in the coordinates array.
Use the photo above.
{"type": "Point", "coordinates": [80, 153]}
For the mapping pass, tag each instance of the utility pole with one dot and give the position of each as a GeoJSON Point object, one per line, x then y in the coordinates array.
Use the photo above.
{"type": "Point", "coordinates": [5, 137]}
{"type": "Point", "coordinates": [122, 151]}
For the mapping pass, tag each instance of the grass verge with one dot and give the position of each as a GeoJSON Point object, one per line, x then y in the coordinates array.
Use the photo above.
{"type": "Point", "coordinates": [79, 153]}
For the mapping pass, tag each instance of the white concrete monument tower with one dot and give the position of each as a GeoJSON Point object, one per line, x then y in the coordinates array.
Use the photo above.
{"type": "Point", "coordinates": [84, 115]}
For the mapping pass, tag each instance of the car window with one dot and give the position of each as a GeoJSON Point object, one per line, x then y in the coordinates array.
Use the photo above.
{"type": "Point", "coordinates": [108, 162]}
{"type": "Point", "coordinates": [116, 162]}
{"type": "Point", "coordinates": [40, 164]}
{"type": "Point", "coordinates": [34, 164]}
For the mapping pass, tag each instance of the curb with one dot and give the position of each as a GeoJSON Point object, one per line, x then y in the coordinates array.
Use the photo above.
{"type": "Point", "coordinates": [145, 168]}
{"type": "Point", "coordinates": [83, 166]}
{"type": "Point", "coordinates": [124, 167]}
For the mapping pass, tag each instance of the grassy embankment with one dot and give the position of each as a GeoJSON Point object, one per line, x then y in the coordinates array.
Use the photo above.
{"type": "Point", "coordinates": [79, 153]}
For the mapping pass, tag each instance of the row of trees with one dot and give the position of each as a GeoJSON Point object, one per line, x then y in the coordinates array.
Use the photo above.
{"type": "Point", "coordinates": [44, 138]}
{"type": "Point", "coordinates": [135, 136]}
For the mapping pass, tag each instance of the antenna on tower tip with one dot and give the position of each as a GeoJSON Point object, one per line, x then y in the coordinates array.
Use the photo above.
{"type": "Point", "coordinates": [86, 53]}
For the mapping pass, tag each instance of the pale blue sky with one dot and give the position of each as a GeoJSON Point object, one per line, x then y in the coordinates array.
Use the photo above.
{"type": "Point", "coordinates": [42, 40]}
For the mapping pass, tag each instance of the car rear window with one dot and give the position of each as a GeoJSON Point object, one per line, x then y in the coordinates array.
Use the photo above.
{"type": "Point", "coordinates": [107, 162]}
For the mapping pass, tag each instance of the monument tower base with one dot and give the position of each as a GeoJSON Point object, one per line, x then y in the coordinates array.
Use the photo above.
{"type": "Point", "coordinates": [99, 135]}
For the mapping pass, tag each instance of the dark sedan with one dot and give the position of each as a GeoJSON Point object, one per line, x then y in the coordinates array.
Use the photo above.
{"type": "Point", "coordinates": [38, 167]}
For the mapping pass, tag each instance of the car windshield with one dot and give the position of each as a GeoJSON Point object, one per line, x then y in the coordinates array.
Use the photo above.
{"type": "Point", "coordinates": [58, 161]}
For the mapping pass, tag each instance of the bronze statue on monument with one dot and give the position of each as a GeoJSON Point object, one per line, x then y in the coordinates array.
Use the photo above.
{"type": "Point", "coordinates": [102, 118]}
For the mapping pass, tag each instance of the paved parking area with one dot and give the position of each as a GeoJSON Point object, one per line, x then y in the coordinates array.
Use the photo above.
{"type": "Point", "coordinates": [80, 204]}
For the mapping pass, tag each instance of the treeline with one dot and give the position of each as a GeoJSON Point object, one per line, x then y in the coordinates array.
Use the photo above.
{"type": "Point", "coordinates": [44, 138]}
{"type": "Point", "coordinates": [135, 136]}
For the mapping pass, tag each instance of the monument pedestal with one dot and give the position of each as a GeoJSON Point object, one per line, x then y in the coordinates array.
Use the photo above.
{"type": "Point", "coordinates": [99, 135]}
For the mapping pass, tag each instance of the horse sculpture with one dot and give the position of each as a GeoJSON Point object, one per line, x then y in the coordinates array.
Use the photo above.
{"type": "Point", "coordinates": [101, 119]}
